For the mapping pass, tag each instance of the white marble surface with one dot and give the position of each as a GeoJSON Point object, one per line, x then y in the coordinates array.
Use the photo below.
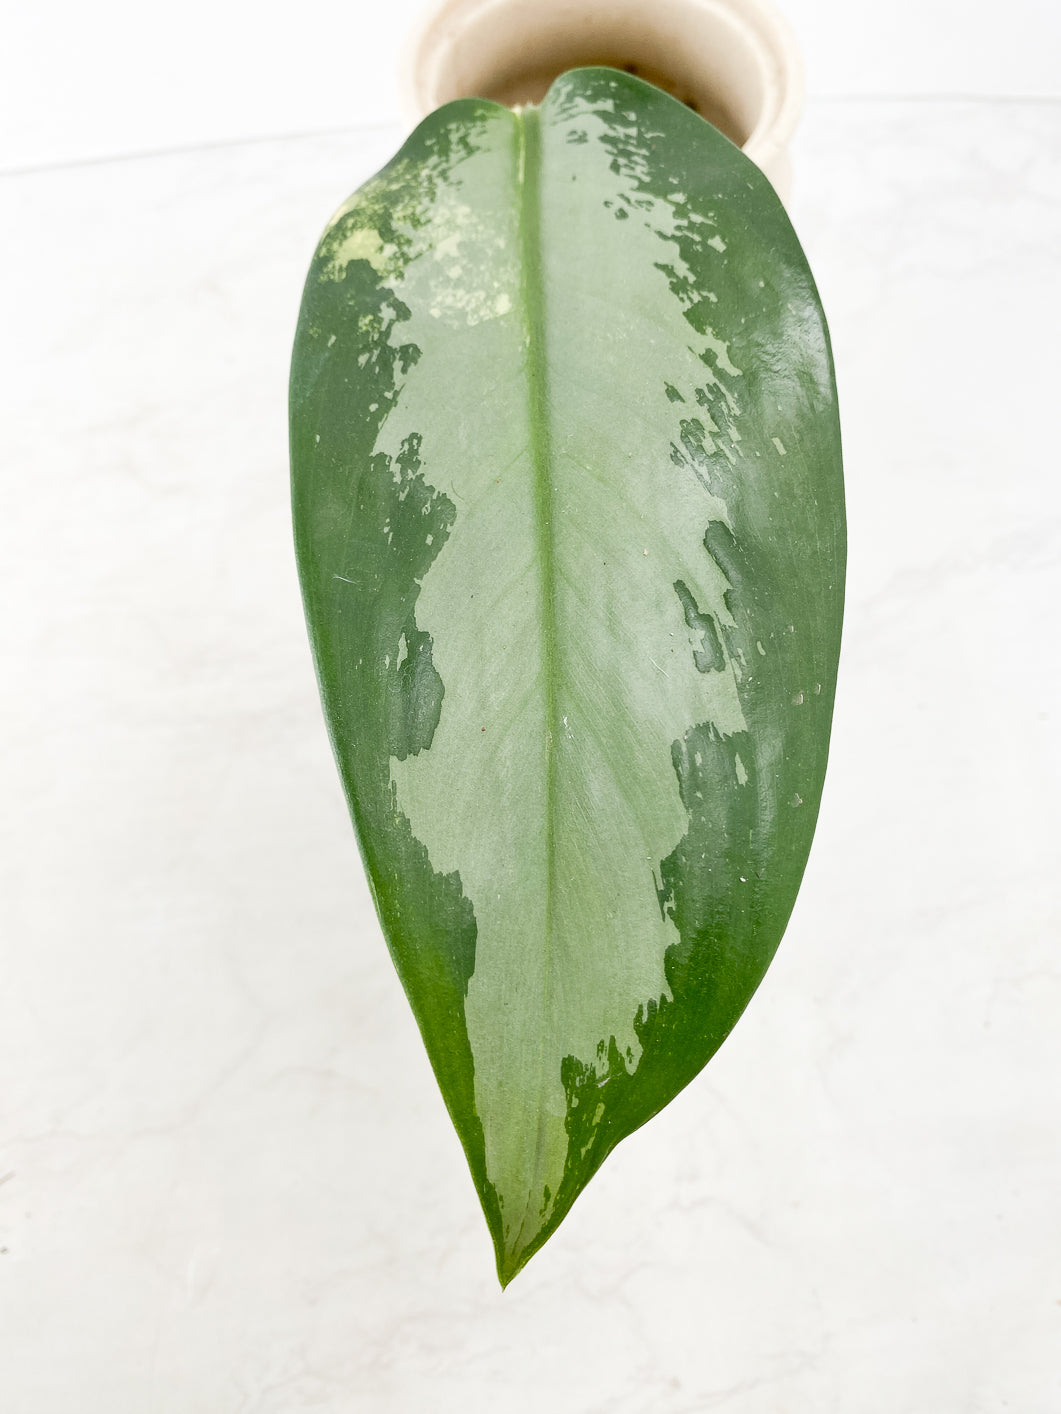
{"type": "Point", "coordinates": [87, 81]}
{"type": "Point", "coordinates": [227, 1182]}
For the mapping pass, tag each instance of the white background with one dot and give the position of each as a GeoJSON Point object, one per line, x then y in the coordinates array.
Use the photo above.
{"type": "Point", "coordinates": [83, 81]}
{"type": "Point", "coordinates": [227, 1182]}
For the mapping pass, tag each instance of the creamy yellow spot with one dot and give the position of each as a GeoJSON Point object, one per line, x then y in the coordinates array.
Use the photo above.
{"type": "Point", "coordinates": [361, 244]}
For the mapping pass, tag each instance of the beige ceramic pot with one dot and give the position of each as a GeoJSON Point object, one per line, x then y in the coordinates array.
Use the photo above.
{"type": "Point", "coordinates": [734, 61]}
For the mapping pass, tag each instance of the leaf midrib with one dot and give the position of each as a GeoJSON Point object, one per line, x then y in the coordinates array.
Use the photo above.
{"type": "Point", "coordinates": [528, 177]}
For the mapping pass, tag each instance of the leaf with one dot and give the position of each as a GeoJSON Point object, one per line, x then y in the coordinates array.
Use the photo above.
{"type": "Point", "coordinates": [569, 518]}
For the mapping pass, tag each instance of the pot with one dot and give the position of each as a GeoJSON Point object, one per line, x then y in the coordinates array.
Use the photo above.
{"type": "Point", "coordinates": [734, 61]}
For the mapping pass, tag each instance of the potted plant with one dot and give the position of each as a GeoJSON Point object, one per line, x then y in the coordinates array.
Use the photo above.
{"type": "Point", "coordinates": [569, 521]}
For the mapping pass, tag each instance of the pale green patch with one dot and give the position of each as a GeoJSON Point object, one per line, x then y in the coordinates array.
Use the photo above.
{"type": "Point", "coordinates": [465, 256]}
{"type": "Point", "coordinates": [778, 444]}
{"type": "Point", "coordinates": [570, 939]}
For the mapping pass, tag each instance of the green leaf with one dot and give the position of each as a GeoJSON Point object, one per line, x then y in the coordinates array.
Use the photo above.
{"type": "Point", "coordinates": [569, 519]}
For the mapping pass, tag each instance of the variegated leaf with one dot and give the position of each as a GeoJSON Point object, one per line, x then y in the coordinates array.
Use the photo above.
{"type": "Point", "coordinates": [569, 518]}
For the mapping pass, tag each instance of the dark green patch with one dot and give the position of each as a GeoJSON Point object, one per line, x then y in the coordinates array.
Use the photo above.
{"type": "Point", "coordinates": [709, 657]}
{"type": "Point", "coordinates": [368, 527]}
